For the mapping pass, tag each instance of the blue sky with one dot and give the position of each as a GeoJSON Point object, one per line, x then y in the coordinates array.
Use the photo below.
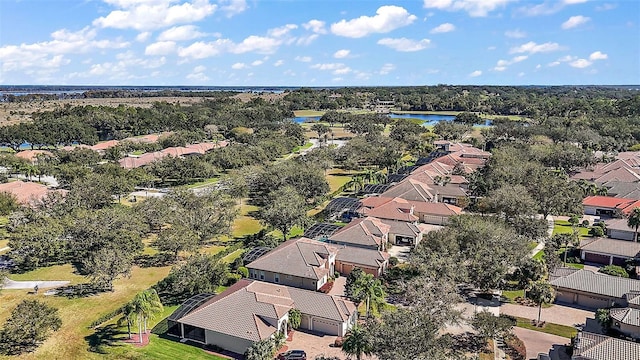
{"type": "Point", "coordinates": [319, 42]}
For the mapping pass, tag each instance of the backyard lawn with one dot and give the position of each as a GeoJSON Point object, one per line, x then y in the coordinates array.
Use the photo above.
{"type": "Point", "coordinates": [337, 178]}
{"type": "Point", "coordinates": [77, 314]}
{"type": "Point", "coordinates": [245, 224]}
{"type": "Point", "coordinates": [549, 328]}
{"type": "Point", "coordinates": [564, 227]}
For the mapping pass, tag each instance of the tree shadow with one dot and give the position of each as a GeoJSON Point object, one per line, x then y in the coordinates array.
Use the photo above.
{"type": "Point", "coordinates": [103, 338]}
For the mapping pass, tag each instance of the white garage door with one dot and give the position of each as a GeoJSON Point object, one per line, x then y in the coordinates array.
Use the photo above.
{"type": "Point", "coordinates": [326, 327]}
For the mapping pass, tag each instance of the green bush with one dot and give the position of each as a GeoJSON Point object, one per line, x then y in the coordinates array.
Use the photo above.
{"type": "Point", "coordinates": [393, 261]}
{"type": "Point", "coordinates": [614, 270]}
{"type": "Point", "coordinates": [243, 271]}
{"type": "Point", "coordinates": [596, 231]}
{"type": "Point", "coordinates": [336, 274]}
{"type": "Point", "coordinates": [232, 279]}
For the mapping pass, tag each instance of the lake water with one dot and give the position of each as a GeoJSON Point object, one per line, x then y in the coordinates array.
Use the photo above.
{"type": "Point", "coordinates": [427, 119]}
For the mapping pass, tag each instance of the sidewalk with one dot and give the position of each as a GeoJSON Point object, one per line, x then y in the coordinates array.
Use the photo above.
{"type": "Point", "coordinates": [557, 314]}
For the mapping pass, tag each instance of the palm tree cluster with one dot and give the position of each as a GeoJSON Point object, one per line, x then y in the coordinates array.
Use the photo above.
{"type": "Point", "coordinates": [144, 306]}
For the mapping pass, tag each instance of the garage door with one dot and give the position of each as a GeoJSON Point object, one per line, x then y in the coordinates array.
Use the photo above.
{"type": "Point", "coordinates": [326, 327]}
{"type": "Point", "coordinates": [593, 302]}
{"type": "Point", "coordinates": [596, 258]}
{"type": "Point", "coordinates": [347, 269]}
{"type": "Point", "coordinates": [305, 322]}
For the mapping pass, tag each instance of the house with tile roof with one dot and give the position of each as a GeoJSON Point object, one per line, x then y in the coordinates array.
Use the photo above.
{"type": "Point", "coordinates": [623, 189]}
{"type": "Point", "coordinates": [32, 155]}
{"type": "Point", "coordinates": [372, 262]}
{"type": "Point", "coordinates": [618, 229]}
{"type": "Point", "coordinates": [411, 189]}
{"type": "Point", "coordinates": [606, 206]}
{"type": "Point", "coordinates": [367, 232]}
{"type": "Point", "coordinates": [250, 311]}
{"type": "Point", "coordinates": [301, 263]}
{"type": "Point", "coordinates": [27, 193]}
{"type": "Point", "coordinates": [592, 290]}
{"type": "Point", "coordinates": [590, 346]}
{"type": "Point", "coordinates": [101, 147]}
{"type": "Point", "coordinates": [626, 320]}
{"type": "Point", "coordinates": [608, 251]}
{"type": "Point", "coordinates": [410, 211]}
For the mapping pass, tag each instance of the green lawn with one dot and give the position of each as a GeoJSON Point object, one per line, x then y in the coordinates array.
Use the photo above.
{"type": "Point", "coordinates": [564, 227]}
{"type": "Point", "coordinates": [549, 328]}
{"type": "Point", "coordinates": [212, 249]}
{"type": "Point", "coordinates": [202, 183]}
{"type": "Point", "coordinates": [234, 255]}
{"type": "Point", "coordinates": [512, 294]}
{"type": "Point", "coordinates": [166, 348]}
{"type": "Point", "coordinates": [303, 147]}
{"type": "Point", "coordinates": [245, 224]}
{"type": "Point", "coordinates": [539, 255]}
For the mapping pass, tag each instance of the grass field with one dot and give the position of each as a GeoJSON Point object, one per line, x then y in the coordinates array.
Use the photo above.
{"type": "Point", "coordinates": [234, 255]}
{"type": "Point", "coordinates": [306, 113]}
{"type": "Point", "coordinates": [549, 328]}
{"type": "Point", "coordinates": [69, 342]}
{"type": "Point", "coordinates": [564, 227]}
{"type": "Point", "coordinates": [212, 249]}
{"type": "Point", "coordinates": [245, 224]}
{"type": "Point", "coordinates": [337, 180]}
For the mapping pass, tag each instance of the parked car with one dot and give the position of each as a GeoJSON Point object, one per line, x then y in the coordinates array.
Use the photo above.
{"type": "Point", "coordinates": [293, 355]}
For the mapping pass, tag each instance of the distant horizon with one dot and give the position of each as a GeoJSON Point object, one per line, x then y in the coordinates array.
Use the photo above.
{"type": "Point", "coordinates": [3, 87]}
{"type": "Point", "coordinates": [319, 43]}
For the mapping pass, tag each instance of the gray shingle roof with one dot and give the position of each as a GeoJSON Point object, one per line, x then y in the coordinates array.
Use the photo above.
{"type": "Point", "coordinates": [618, 224]}
{"type": "Point", "coordinates": [402, 228]}
{"type": "Point", "coordinates": [620, 248]}
{"type": "Point", "coordinates": [591, 346]}
{"type": "Point", "coordinates": [242, 310]}
{"type": "Point", "coordinates": [301, 257]}
{"type": "Point", "coordinates": [360, 256]}
{"type": "Point", "coordinates": [367, 231]}
{"type": "Point", "coordinates": [629, 316]}
{"type": "Point", "coordinates": [600, 284]}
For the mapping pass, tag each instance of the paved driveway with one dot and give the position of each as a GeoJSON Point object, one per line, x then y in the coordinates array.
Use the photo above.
{"type": "Point", "coordinates": [338, 286]}
{"type": "Point", "coordinates": [538, 342]}
{"type": "Point", "coordinates": [314, 345]}
{"type": "Point", "coordinates": [557, 314]}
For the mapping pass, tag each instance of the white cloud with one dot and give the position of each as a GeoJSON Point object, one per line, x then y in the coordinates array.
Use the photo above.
{"type": "Point", "coordinates": [316, 26]}
{"type": "Point", "coordinates": [181, 33]}
{"type": "Point", "coordinates": [328, 66]}
{"type": "Point", "coordinates": [257, 63]}
{"type": "Point", "coordinates": [475, 8]}
{"type": "Point", "coordinates": [606, 7]}
{"type": "Point", "coordinates": [199, 68]}
{"type": "Point", "coordinates": [50, 54]}
{"type": "Point", "coordinates": [387, 18]}
{"type": "Point", "coordinates": [239, 66]}
{"type": "Point", "coordinates": [404, 44]}
{"type": "Point", "coordinates": [476, 73]}
{"type": "Point", "coordinates": [501, 65]}
{"type": "Point", "coordinates": [571, 2]}
{"type": "Point", "coordinates": [160, 48]}
{"type": "Point", "coordinates": [233, 7]}
{"type": "Point", "coordinates": [598, 56]}
{"type": "Point", "coordinates": [282, 30]}
{"type": "Point", "coordinates": [443, 28]}
{"type": "Point", "coordinates": [278, 63]}
{"type": "Point", "coordinates": [515, 34]}
{"type": "Point", "coordinates": [143, 36]}
{"type": "Point", "coordinates": [341, 53]}
{"type": "Point", "coordinates": [258, 44]}
{"type": "Point", "coordinates": [303, 58]}
{"type": "Point", "coordinates": [547, 7]}
{"type": "Point", "coordinates": [149, 15]}
{"type": "Point", "coordinates": [201, 50]}
{"type": "Point", "coordinates": [532, 48]}
{"type": "Point", "coordinates": [580, 63]}
{"type": "Point", "coordinates": [386, 68]}
{"type": "Point", "coordinates": [554, 63]}
{"type": "Point", "coordinates": [197, 74]}
{"type": "Point", "coordinates": [342, 71]}
{"type": "Point", "coordinates": [306, 40]}
{"type": "Point", "coordinates": [575, 21]}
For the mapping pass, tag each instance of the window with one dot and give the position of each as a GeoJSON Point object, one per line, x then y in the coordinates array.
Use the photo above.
{"type": "Point", "coordinates": [276, 278]}
{"type": "Point", "coordinates": [261, 275]}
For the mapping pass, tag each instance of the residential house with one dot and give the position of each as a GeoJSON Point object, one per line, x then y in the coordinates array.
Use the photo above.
{"type": "Point", "coordinates": [623, 189]}
{"type": "Point", "coordinates": [101, 147]}
{"type": "Point", "coordinates": [368, 233]}
{"type": "Point", "coordinates": [32, 155]}
{"type": "Point", "coordinates": [250, 311]}
{"type": "Point", "coordinates": [592, 290]}
{"type": "Point", "coordinates": [411, 189]}
{"type": "Point", "coordinates": [409, 211]}
{"type": "Point", "coordinates": [27, 193]}
{"type": "Point", "coordinates": [590, 346]}
{"type": "Point", "coordinates": [373, 262]}
{"type": "Point", "coordinates": [301, 263]}
{"type": "Point", "coordinates": [618, 229]}
{"type": "Point", "coordinates": [609, 251]}
{"type": "Point", "coordinates": [626, 320]}
{"type": "Point", "coordinates": [607, 206]}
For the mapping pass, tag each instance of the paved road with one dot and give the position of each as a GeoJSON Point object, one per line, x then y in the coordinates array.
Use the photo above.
{"type": "Point", "coordinates": [15, 285]}
{"type": "Point", "coordinates": [537, 342]}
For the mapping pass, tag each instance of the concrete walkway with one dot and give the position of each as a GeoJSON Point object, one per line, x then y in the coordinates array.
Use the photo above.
{"type": "Point", "coordinates": [557, 314]}
{"type": "Point", "coordinates": [538, 342]}
{"type": "Point", "coordinates": [17, 285]}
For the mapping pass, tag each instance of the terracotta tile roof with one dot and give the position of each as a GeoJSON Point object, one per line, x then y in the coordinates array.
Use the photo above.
{"type": "Point", "coordinates": [403, 228]}
{"type": "Point", "coordinates": [26, 192]}
{"type": "Point", "coordinates": [365, 257]}
{"type": "Point", "coordinates": [629, 155]}
{"type": "Point", "coordinates": [73, 147]}
{"type": "Point", "coordinates": [591, 346]}
{"type": "Point", "coordinates": [32, 155]}
{"type": "Point", "coordinates": [131, 162]}
{"type": "Point", "coordinates": [410, 189]}
{"type": "Point", "coordinates": [374, 201]}
{"type": "Point", "coordinates": [242, 310]}
{"type": "Point", "coordinates": [367, 231]}
{"type": "Point", "coordinates": [596, 283]}
{"type": "Point", "coordinates": [404, 210]}
{"type": "Point", "coordinates": [300, 257]}
{"type": "Point", "coordinates": [620, 248]}
{"type": "Point", "coordinates": [101, 146]}
{"type": "Point", "coordinates": [396, 209]}
{"type": "Point", "coordinates": [607, 202]}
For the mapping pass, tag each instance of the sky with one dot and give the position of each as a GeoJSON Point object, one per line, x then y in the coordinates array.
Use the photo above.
{"type": "Point", "coordinates": [319, 42]}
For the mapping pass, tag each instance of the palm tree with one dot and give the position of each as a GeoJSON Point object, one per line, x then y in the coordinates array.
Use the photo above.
{"type": "Point", "coordinates": [357, 343]}
{"type": "Point", "coordinates": [633, 221]}
{"type": "Point", "coordinates": [128, 312]}
{"type": "Point", "coordinates": [369, 288]}
{"type": "Point", "coordinates": [146, 305]}
{"type": "Point", "coordinates": [541, 292]}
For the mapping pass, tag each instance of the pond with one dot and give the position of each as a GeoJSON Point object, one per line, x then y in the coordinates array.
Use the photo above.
{"type": "Point", "coordinates": [427, 119]}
